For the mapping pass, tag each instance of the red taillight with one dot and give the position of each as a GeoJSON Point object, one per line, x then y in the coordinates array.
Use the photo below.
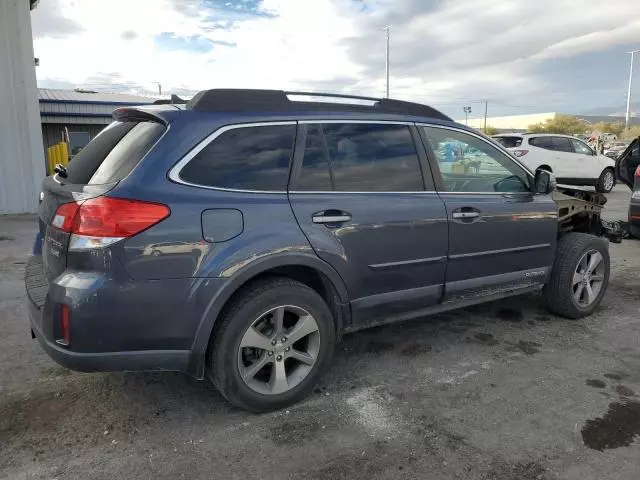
{"type": "Point", "coordinates": [65, 215]}
{"type": "Point", "coordinates": [110, 217]}
{"type": "Point", "coordinates": [65, 330]}
{"type": "Point", "coordinates": [520, 153]}
{"type": "Point", "coordinates": [638, 172]}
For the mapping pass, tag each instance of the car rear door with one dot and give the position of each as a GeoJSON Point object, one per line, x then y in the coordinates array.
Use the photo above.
{"type": "Point", "coordinates": [502, 237]}
{"type": "Point", "coordinates": [358, 193]}
{"type": "Point", "coordinates": [557, 153]}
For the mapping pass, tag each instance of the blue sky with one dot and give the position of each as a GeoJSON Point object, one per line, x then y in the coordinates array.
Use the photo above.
{"type": "Point", "coordinates": [522, 56]}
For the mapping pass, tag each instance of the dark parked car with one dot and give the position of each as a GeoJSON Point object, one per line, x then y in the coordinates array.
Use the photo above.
{"type": "Point", "coordinates": [628, 172]}
{"type": "Point", "coordinates": [283, 225]}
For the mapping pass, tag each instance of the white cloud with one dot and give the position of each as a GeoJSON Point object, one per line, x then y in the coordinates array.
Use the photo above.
{"type": "Point", "coordinates": [441, 51]}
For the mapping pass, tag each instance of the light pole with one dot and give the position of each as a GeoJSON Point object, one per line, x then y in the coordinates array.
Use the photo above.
{"type": "Point", "coordinates": [626, 123]}
{"type": "Point", "coordinates": [467, 111]}
{"type": "Point", "coordinates": [387, 29]}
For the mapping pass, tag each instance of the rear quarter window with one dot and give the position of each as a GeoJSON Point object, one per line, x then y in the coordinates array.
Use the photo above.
{"type": "Point", "coordinates": [113, 153]}
{"type": "Point", "coordinates": [244, 158]}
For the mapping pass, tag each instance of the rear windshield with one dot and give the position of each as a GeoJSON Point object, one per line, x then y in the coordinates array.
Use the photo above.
{"type": "Point", "coordinates": [113, 153]}
{"type": "Point", "coordinates": [509, 142]}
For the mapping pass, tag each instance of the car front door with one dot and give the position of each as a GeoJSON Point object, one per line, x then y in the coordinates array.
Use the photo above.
{"type": "Point", "coordinates": [627, 164]}
{"type": "Point", "coordinates": [358, 193]}
{"type": "Point", "coordinates": [502, 237]}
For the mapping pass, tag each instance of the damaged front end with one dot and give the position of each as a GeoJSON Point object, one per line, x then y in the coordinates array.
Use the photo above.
{"type": "Point", "coordinates": [579, 211]}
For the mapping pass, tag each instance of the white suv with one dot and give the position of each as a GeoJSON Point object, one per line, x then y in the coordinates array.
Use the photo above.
{"type": "Point", "coordinates": [572, 161]}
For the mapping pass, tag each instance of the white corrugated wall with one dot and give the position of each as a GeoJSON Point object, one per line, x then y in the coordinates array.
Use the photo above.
{"type": "Point", "coordinates": [21, 154]}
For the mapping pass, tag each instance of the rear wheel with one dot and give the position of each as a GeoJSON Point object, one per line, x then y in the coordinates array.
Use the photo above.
{"type": "Point", "coordinates": [606, 182]}
{"type": "Point", "coordinates": [272, 345]}
{"type": "Point", "coordinates": [579, 277]}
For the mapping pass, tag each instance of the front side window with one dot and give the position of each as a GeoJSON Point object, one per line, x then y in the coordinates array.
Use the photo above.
{"type": "Point", "coordinates": [580, 147]}
{"type": "Point", "coordinates": [244, 158]}
{"type": "Point", "coordinates": [360, 157]}
{"type": "Point", "coordinates": [470, 164]}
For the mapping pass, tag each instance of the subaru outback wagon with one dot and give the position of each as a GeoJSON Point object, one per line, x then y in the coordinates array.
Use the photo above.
{"type": "Point", "coordinates": [239, 236]}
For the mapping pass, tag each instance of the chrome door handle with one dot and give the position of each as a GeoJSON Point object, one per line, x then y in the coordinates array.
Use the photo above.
{"type": "Point", "coordinates": [330, 218]}
{"type": "Point", "coordinates": [465, 214]}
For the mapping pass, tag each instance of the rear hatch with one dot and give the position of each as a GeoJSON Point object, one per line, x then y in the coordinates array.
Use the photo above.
{"type": "Point", "coordinates": [97, 169]}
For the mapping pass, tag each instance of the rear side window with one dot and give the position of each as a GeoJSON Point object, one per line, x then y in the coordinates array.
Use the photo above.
{"type": "Point", "coordinates": [113, 153]}
{"type": "Point", "coordinates": [509, 142]}
{"type": "Point", "coordinates": [361, 158]}
{"type": "Point", "coordinates": [315, 174]}
{"type": "Point", "coordinates": [246, 158]}
{"type": "Point", "coordinates": [542, 142]}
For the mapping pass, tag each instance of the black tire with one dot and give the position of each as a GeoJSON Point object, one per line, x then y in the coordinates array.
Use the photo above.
{"type": "Point", "coordinates": [558, 293]}
{"type": "Point", "coordinates": [634, 231]}
{"type": "Point", "coordinates": [248, 305]}
{"type": "Point", "coordinates": [600, 186]}
{"type": "Point", "coordinates": [545, 167]}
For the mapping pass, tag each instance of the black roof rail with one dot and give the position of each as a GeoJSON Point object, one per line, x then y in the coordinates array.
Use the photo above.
{"type": "Point", "coordinates": [248, 100]}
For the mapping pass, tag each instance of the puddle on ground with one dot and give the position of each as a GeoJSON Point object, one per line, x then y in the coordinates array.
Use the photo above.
{"type": "Point", "coordinates": [510, 315]}
{"type": "Point", "coordinates": [593, 382]}
{"type": "Point", "coordinates": [618, 428]}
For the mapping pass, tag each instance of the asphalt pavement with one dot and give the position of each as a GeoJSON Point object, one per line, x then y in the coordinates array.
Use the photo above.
{"type": "Point", "coordinates": [500, 391]}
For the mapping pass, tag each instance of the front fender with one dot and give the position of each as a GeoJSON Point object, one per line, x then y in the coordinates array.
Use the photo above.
{"type": "Point", "coordinates": [240, 277]}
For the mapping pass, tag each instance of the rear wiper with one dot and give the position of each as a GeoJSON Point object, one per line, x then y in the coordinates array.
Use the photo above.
{"type": "Point", "coordinates": [61, 170]}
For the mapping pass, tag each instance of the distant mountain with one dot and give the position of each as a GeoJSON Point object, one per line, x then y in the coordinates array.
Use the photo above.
{"type": "Point", "coordinates": [609, 111]}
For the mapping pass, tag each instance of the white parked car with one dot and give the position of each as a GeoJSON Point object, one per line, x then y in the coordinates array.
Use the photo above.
{"type": "Point", "coordinates": [571, 160]}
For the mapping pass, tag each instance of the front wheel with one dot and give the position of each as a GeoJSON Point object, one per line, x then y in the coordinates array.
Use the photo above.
{"type": "Point", "coordinates": [579, 277]}
{"type": "Point", "coordinates": [606, 182]}
{"type": "Point", "coordinates": [273, 343]}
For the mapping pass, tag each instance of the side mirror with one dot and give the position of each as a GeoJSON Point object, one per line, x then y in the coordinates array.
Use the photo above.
{"type": "Point", "coordinates": [544, 181]}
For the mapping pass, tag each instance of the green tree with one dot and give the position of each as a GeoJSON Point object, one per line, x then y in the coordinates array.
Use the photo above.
{"type": "Point", "coordinates": [490, 130]}
{"type": "Point", "coordinates": [564, 124]}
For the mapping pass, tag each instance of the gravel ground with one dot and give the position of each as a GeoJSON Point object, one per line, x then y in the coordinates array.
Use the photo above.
{"type": "Point", "coordinates": [500, 391]}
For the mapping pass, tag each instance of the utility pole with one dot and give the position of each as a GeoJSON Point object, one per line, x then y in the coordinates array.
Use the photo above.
{"type": "Point", "coordinates": [388, 30]}
{"type": "Point", "coordinates": [467, 111]}
{"type": "Point", "coordinates": [486, 103]}
{"type": "Point", "coordinates": [626, 123]}
{"type": "Point", "coordinates": [159, 88]}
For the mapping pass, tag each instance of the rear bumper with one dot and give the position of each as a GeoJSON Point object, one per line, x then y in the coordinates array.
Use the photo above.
{"type": "Point", "coordinates": [117, 324]}
{"type": "Point", "coordinates": [108, 361]}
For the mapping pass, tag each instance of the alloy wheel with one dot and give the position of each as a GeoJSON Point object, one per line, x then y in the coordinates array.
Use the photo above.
{"type": "Point", "coordinates": [279, 350]}
{"type": "Point", "coordinates": [608, 181]}
{"type": "Point", "coordinates": [588, 278]}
